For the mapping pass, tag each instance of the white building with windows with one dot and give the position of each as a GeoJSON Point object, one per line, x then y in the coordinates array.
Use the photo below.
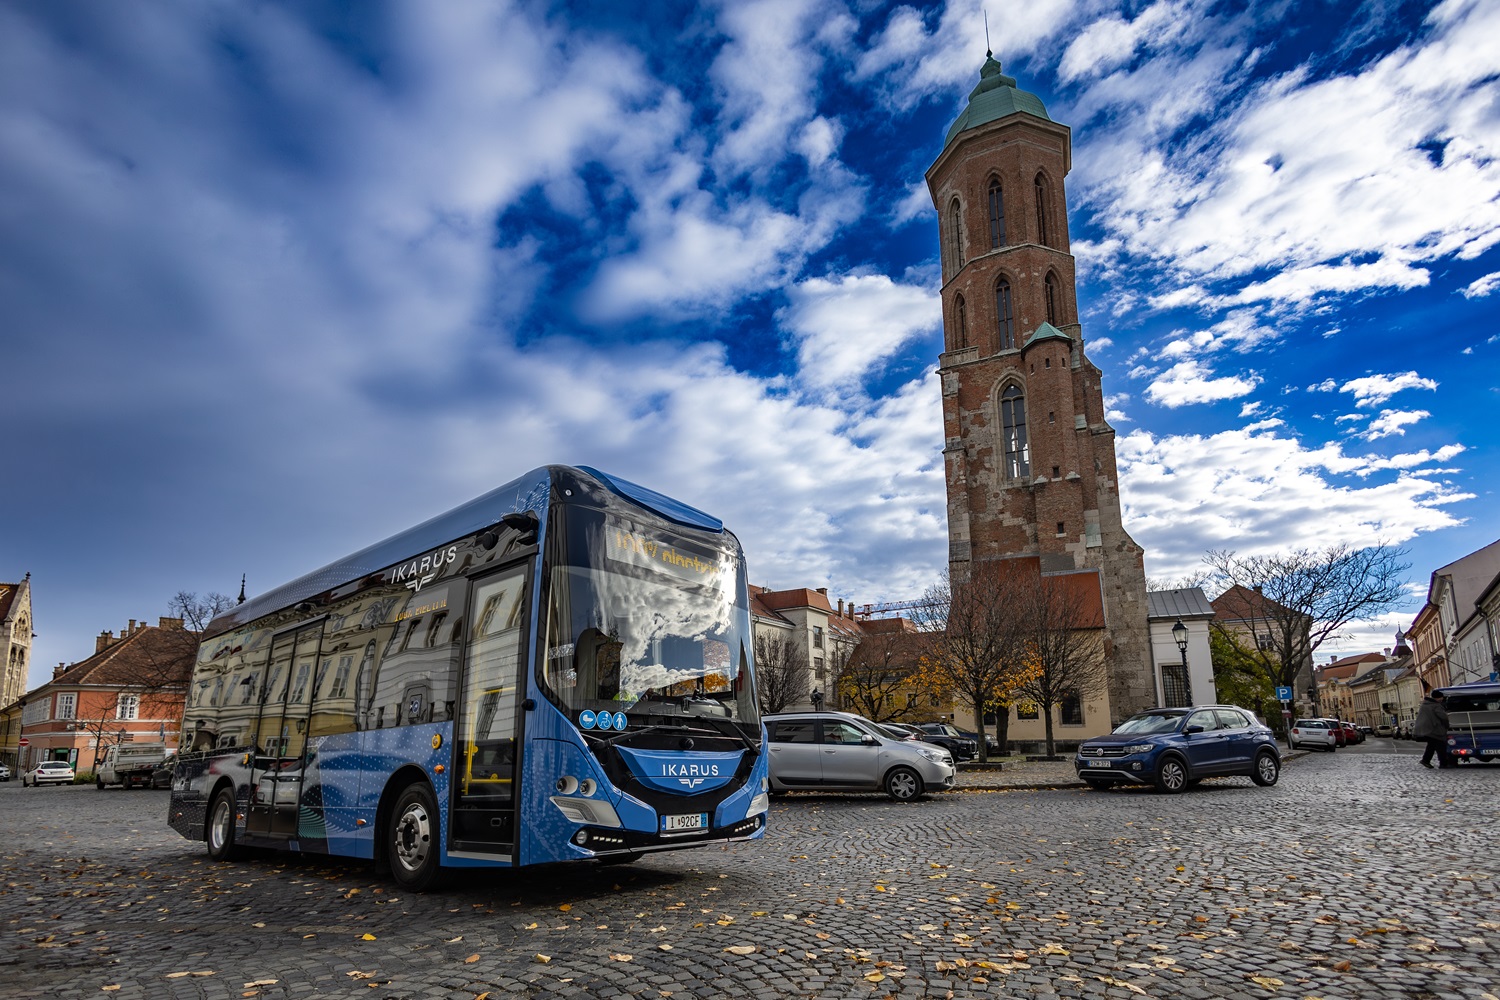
{"type": "Point", "coordinates": [1178, 621]}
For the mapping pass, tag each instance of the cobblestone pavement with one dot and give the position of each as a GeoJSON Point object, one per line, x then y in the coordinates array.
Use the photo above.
{"type": "Point", "coordinates": [1356, 876]}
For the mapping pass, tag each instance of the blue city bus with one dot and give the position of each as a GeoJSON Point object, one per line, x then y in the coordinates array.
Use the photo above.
{"type": "Point", "coordinates": [1473, 721]}
{"type": "Point", "coordinates": [558, 670]}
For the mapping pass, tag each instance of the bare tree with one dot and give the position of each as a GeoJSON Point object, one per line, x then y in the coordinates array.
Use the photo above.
{"type": "Point", "coordinates": [1290, 603]}
{"type": "Point", "coordinates": [196, 612]}
{"type": "Point", "coordinates": [781, 676]}
{"type": "Point", "coordinates": [1062, 623]}
{"type": "Point", "coordinates": [973, 641]}
{"type": "Point", "coordinates": [104, 732]}
{"type": "Point", "coordinates": [878, 679]}
{"type": "Point", "coordinates": [165, 662]}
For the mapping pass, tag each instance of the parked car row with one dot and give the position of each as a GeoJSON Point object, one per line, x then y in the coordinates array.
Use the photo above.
{"type": "Point", "coordinates": [60, 772]}
{"type": "Point", "coordinates": [1324, 734]}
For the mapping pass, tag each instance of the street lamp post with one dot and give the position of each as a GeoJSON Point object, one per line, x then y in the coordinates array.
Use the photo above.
{"type": "Point", "coordinates": [1180, 636]}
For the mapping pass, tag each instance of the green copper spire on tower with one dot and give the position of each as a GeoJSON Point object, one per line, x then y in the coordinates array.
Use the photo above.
{"type": "Point", "coordinates": [995, 96]}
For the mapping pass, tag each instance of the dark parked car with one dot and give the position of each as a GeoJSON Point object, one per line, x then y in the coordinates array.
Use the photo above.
{"type": "Point", "coordinates": [1172, 748]}
{"type": "Point", "coordinates": [991, 748]}
{"type": "Point", "coordinates": [162, 776]}
{"type": "Point", "coordinates": [949, 738]}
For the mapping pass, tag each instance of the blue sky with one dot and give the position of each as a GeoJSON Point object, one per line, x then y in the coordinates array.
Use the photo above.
{"type": "Point", "coordinates": [277, 280]}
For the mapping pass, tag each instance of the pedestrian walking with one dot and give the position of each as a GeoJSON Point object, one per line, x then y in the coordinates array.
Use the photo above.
{"type": "Point", "coordinates": [1432, 726]}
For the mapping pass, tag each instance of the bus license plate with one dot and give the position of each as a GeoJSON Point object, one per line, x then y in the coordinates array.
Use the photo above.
{"type": "Point", "coordinates": [691, 821]}
{"type": "Point", "coordinates": [1098, 763]}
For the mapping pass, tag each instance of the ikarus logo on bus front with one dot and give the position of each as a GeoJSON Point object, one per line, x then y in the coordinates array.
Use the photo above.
{"type": "Point", "coordinates": [690, 775]}
{"type": "Point", "coordinates": [419, 573]}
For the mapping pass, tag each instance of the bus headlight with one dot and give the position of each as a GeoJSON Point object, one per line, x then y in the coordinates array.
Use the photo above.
{"type": "Point", "coordinates": [761, 803]}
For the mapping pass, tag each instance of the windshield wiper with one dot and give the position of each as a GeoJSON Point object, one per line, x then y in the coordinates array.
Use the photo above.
{"type": "Point", "coordinates": [734, 730]}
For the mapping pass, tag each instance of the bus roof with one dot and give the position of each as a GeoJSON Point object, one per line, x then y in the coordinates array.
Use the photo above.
{"type": "Point", "coordinates": [529, 492]}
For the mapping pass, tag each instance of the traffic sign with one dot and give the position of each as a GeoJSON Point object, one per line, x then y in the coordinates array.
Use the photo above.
{"type": "Point", "coordinates": [1284, 694]}
{"type": "Point", "coordinates": [23, 742]}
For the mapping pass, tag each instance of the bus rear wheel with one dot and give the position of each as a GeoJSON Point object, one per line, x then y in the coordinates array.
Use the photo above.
{"type": "Point", "coordinates": [219, 837]}
{"type": "Point", "coordinates": [412, 839]}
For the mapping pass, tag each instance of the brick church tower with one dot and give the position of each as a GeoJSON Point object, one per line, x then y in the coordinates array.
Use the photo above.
{"type": "Point", "coordinates": [1030, 459]}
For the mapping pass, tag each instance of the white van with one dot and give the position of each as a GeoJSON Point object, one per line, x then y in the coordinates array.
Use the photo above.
{"type": "Point", "coordinates": [840, 751]}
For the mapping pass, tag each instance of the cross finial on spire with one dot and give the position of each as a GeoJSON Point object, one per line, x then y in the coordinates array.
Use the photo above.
{"type": "Point", "coordinates": [988, 52]}
{"type": "Point", "coordinates": [242, 589]}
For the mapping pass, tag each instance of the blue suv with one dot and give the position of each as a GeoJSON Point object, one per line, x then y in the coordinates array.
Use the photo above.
{"type": "Point", "coordinates": [1172, 748]}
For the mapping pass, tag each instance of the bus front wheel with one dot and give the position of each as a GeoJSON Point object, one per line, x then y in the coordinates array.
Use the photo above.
{"type": "Point", "coordinates": [412, 839]}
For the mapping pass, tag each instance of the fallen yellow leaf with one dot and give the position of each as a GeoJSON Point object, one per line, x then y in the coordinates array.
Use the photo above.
{"type": "Point", "coordinates": [565, 907]}
{"type": "Point", "coordinates": [367, 937]}
{"type": "Point", "coordinates": [1269, 982]}
{"type": "Point", "coordinates": [471, 959]}
{"type": "Point", "coordinates": [544, 959]}
{"type": "Point", "coordinates": [741, 949]}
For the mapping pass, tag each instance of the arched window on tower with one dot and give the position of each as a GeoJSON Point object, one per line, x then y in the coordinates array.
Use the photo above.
{"type": "Point", "coordinates": [1054, 299]}
{"type": "Point", "coordinates": [1005, 316]}
{"type": "Point", "coordinates": [956, 235]}
{"type": "Point", "coordinates": [960, 322]}
{"type": "Point", "coordinates": [1013, 430]}
{"type": "Point", "coordinates": [997, 214]}
{"type": "Point", "coordinates": [1043, 210]}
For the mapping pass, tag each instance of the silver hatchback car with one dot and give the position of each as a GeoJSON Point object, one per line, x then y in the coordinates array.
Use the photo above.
{"type": "Point", "coordinates": [839, 751]}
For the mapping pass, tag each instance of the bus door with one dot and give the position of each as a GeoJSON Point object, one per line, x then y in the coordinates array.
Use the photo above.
{"type": "Point", "coordinates": [487, 738]}
{"type": "Point", "coordinates": [281, 738]}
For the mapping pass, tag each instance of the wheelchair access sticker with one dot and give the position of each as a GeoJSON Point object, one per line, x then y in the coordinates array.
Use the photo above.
{"type": "Point", "coordinates": [602, 720]}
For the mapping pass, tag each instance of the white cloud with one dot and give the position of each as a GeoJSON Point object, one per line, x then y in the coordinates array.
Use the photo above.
{"type": "Point", "coordinates": [766, 73]}
{"type": "Point", "coordinates": [1252, 489]}
{"type": "Point", "coordinates": [915, 205]}
{"type": "Point", "coordinates": [847, 325]}
{"type": "Point", "coordinates": [912, 63]}
{"type": "Point", "coordinates": [1306, 186]}
{"type": "Point", "coordinates": [1372, 390]}
{"type": "Point", "coordinates": [1480, 287]}
{"type": "Point", "coordinates": [1112, 41]}
{"type": "Point", "coordinates": [1190, 382]}
{"type": "Point", "coordinates": [1393, 422]}
{"type": "Point", "coordinates": [1239, 331]}
{"type": "Point", "coordinates": [1327, 385]}
{"type": "Point", "coordinates": [1100, 344]}
{"type": "Point", "coordinates": [1249, 409]}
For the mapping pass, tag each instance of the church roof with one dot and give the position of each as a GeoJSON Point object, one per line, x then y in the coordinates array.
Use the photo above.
{"type": "Point", "coordinates": [994, 97]}
{"type": "Point", "coordinates": [1047, 332]}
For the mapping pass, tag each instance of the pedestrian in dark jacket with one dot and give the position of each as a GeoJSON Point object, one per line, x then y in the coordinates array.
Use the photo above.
{"type": "Point", "coordinates": [1432, 726]}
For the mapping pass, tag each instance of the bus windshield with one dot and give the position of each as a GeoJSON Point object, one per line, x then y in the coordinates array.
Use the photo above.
{"type": "Point", "coordinates": [647, 622]}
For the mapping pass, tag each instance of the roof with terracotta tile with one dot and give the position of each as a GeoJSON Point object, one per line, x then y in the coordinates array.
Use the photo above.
{"type": "Point", "coordinates": [8, 593]}
{"type": "Point", "coordinates": [151, 656]}
{"type": "Point", "coordinates": [781, 600]}
{"type": "Point", "coordinates": [1241, 604]}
